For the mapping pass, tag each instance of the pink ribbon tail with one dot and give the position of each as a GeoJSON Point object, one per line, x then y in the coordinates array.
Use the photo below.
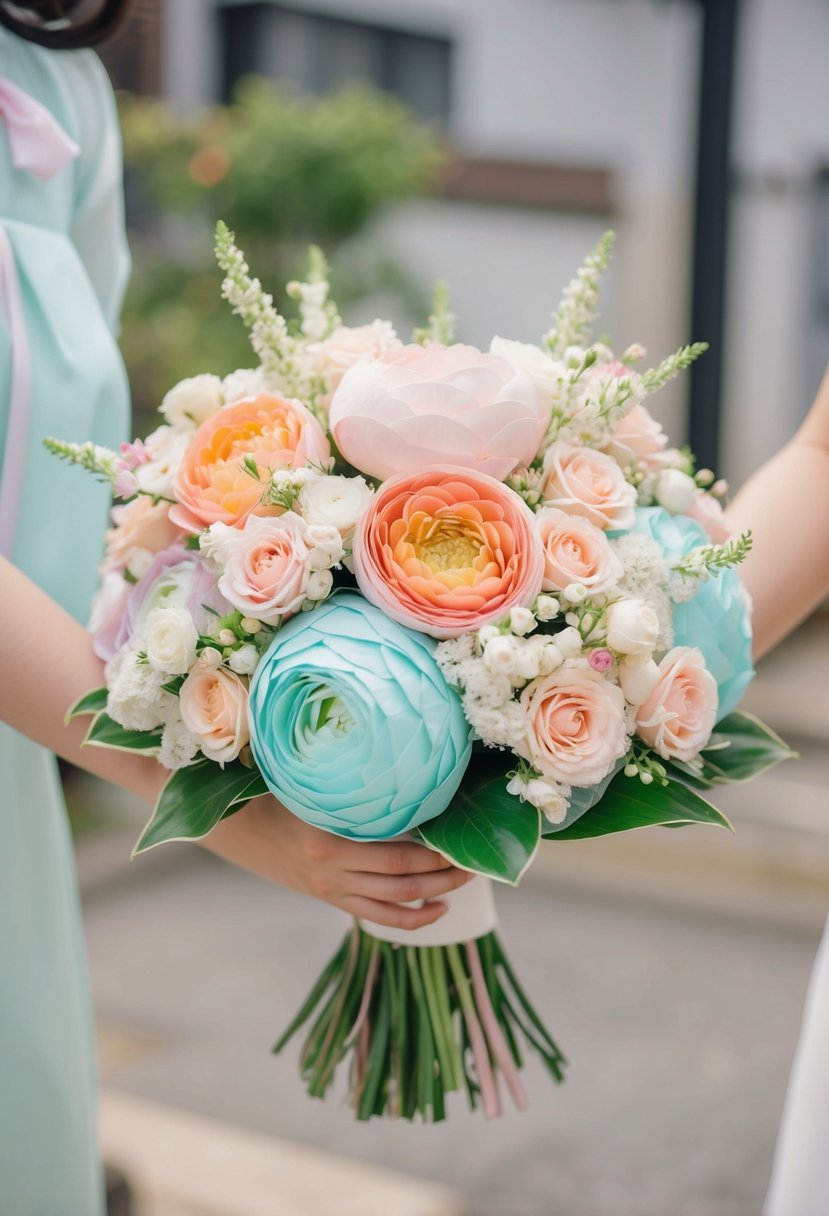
{"type": "Point", "coordinates": [37, 141]}
{"type": "Point", "coordinates": [493, 1029]}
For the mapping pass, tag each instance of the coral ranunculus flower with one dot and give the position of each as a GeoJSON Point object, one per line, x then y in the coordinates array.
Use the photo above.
{"type": "Point", "coordinates": [212, 484]}
{"type": "Point", "coordinates": [446, 550]}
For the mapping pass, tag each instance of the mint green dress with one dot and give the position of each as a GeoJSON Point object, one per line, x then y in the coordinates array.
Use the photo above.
{"type": "Point", "coordinates": [69, 247]}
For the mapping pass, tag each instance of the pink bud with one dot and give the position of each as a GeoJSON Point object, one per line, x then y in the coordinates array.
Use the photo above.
{"type": "Point", "coordinates": [125, 484]}
{"type": "Point", "coordinates": [134, 454]}
{"type": "Point", "coordinates": [600, 660]}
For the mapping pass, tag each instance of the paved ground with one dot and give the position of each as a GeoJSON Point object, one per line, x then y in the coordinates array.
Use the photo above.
{"type": "Point", "coordinates": [671, 965]}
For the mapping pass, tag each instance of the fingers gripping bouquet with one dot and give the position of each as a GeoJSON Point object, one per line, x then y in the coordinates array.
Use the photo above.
{"type": "Point", "coordinates": [473, 597]}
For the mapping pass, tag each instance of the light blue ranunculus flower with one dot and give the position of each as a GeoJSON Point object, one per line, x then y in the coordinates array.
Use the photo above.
{"type": "Point", "coordinates": [718, 618]}
{"type": "Point", "coordinates": [352, 723]}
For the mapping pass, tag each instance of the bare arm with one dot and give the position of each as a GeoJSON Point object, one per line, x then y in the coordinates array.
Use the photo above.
{"type": "Point", "coordinates": [785, 504]}
{"type": "Point", "coordinates": [47, 664]}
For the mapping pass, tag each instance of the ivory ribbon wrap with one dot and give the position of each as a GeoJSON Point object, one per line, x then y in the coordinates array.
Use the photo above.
{"type": "Point", "coordinates": [471, 915]}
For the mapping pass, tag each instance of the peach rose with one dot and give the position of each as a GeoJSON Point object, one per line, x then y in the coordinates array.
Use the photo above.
{"type": "Point", "coordinates": [437, 405]}
{"type": "Point", "coordinates": [707, 510]}
{"type": "Point", "coordinates": [575, 551]}
{"type": "Point", "coordinates": [575, 724]}
{"type": "Point", "coordinates": [212, 484]}
{"type": "Point", "coordinates": [638, 439]}
{"type": "Point", "coordinates": [139, 525]}
{"type": "Point", "coordinates": [582, 481]}
{"type": "Point", "coordinates": [214, 707]}
{"type": "Point", "coordinates": [677, 718]}
{"type": "Point", "coordinates": [446, 550]}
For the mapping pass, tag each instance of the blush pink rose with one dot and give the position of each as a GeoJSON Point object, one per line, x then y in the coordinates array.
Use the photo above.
{"type": "Point", "coordinates": [140, 524]}
{"type": "Point", "coordinates": [677, 718]}
{"type": "Point", "coordinates": [575, 551]}
{"type": "Point", "coordinates": [349, 345]}
{"type": "Point", "coordinates": [214, 707]}
{"type": "Point", "coordinates": [575, 724]}
{"type": "Point", "coordinates": [707, 510]}
{"type": "Point", "coordinates": [437, 405]}
{"type": "Point", "coordinates": [265, 566]}
{"type": "Point", "coordinates": [639, 439]}
{"type": "Point", "coordinates": [582, 481]}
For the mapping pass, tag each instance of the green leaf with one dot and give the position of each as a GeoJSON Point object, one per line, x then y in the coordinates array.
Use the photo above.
{"type": "Point", "coordinates": [630, 804]}
{"type": "Point", "coordinates": [581, 801]}
{"type": "Point", "coordinates": [740, 748]}
{"type": "Point", "coordinates": [485, 829]}
{"type": "Point", "coordinates": [196, 798]}
{"type": "Point", "coordinates": [105, 732]}
{"type": "Point", "coordinates": [91, 703]}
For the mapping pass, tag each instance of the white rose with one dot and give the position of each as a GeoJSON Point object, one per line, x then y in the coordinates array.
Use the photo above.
{"type": "Point", "coordinates": [325, 546]}
{"type": "Point", "coordinates": [336, 502]}
{"type": "Point", "coordinates": [638, 680]}
{"type": "Point", "coordinates": [171, 640]}
{"type": "Point", "coordinates": [500, 655]}
{"type": "Point", "coordinates": [319, 586]}
{"type": "Point", "coordinates": [675, 491]}
{"type": "Point", "coordinates": [632, 627]}
{"type": "Point", "coordinates": [191, 402]}
{"type": "Point", "coordinates": [543, 793]}
{"type": "Point", "coordinates": [166, 448]}
{"type": "Point", "coordinates": [244, 382]}
{"type": "Point", "coordinates": [532, 361]}
{"type": "Point", "coordinates": [521, 621]}
{"type": "Point", "coordinates": [244, 660]}
{"type": "Point", "coordinates": [348, 345]}
{"type": "Point", "coordinates": [569, 642]}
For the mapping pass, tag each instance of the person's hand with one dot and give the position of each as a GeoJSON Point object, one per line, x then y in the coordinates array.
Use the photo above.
{"type": "Point", "coordinates": [367, 880]}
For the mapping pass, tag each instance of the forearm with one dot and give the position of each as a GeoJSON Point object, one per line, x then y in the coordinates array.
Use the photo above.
{"type": "Point", "coordinates": [786, 506]}
{"type": "Point", "coordinates": [47, 665]}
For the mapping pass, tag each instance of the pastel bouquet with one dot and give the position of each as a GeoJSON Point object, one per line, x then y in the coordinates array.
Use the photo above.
{"type": "Point", "coordinates": [473, 597]}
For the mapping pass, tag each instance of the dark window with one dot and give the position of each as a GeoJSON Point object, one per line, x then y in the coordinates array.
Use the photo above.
{"type": "Point", "coordinates": [317, 53]}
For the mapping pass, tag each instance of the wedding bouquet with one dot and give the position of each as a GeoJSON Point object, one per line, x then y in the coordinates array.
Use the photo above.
{"type": "Point", "coordinates": [420, 589]}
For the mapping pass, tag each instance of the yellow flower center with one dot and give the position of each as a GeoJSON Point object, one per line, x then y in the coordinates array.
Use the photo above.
{"type": "Point", "coordinates": [443, 544]}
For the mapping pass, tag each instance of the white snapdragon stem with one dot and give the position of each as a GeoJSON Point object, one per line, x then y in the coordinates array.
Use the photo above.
{"type": "Point", "coordinates": [471, 914]}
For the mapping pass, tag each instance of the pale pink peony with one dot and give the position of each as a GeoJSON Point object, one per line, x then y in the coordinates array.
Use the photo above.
{"type": "Point", "coordinates": [639, 439]}
{"type": "Point", "coordinates": [677, 718]}
{"type": "Point", "coordinates": [575, 724]}
{"type": "Point", "coordinates": [214, 707]}
{"type": "Point", "coordinates": [437, 405]}
{"type": "Point", "coordinates": [575, 551]}
{"type": "Point", "coordinates": [708, 512]}
{"type": "Point", "coordinates": [582, 481]}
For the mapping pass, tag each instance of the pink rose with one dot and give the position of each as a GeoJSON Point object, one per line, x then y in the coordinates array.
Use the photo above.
{"type": "Point", "coordinates": [638, 439]}
{"type": "Point", "coordinates": [140, 524]}
{"type": "Point", "coordinates": [265, 566]}
{"type": "Point", "coordinates": [348, 345]}
{"type": "Point", "coordinates": [437, 405]}
{"type": "Point", "coordinates": [677, 718]}
{"type": "Point", "coordinates": [214, 707]}
{"type": "Point", "coordinates": [707, 510]}
{"type": "Point", "coordinates": [575, 551]}
{"type": "Point", "coordinates": [575, 724]}
{"type": "Point", "coordinates": [582, 481]}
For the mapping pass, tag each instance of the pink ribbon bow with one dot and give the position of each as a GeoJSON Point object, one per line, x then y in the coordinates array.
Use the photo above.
{"type": "Point", "coordinates": [37, 141]}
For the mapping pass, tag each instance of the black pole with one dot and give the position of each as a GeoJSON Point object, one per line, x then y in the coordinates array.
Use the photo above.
{"type": "Point", "coordinates": [718, 59]}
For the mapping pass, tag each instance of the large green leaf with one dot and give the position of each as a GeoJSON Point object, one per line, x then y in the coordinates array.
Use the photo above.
{"type": "Point", "coordinates": [196, 798]}
{"type": "Point", "coordinates": [484, 828]}
{"type": "Point", "coordinates": [105, 732]}
{"type": "Point", "coordinates": [582, 798]}
{"type": "Point", "coordinates": [628, 804]}
{"type": "Point", "coordinates": [740, 748]}
{"type": "Point", "coordinates": [94, 702]}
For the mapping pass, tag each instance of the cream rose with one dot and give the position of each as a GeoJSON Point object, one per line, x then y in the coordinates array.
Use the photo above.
{"type": "Point", "coordinates": [677, 718]}
{"type": "Point", "coordinates": [170, 639]}
{"type": "Point", "coordinates": [575, 551]}
{"type": "Point", "coordinates": [532, 361]}
{"type": "Point", "coordinates": [632, 627]}
{"type": "Point", "coordinates": [575, 725]}
{"type": "Point", "coordinates": [347, 346]}
{"type": "Point", "coordinates": [166, 448]}
{"type": "Point", "coordinates": [191, 402]}
{"type": "Point", "coordinates": [265, 567]}
{"type": "Point", "coordinates": [336, 502]}
{"type": "Point", "coordinates": [582, 481]}
{"type": "Point", "coordinates": [214, 707]}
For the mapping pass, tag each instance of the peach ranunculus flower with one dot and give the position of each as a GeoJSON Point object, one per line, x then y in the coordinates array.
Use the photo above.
{"type": "Point", "coordinates": [708, 511]}
{"type": "Point", "coordinates": [348, 345]}
{"type": "Point", "coordinates": [582, 481]}
{"type": "Point", "coordinates": [212, 484]}
{"type": "Point", "coordinates": [422, 406]}
{"type": "Point", "coordinates": [575, 551]}
{"type": "Point", "coordinates": [141, 527]}
{"type": "Point", "coordinates": [575, 724]}
{"type": "Point", "coordinates": [677, 718]}
{"type": "Point", "coordinates": [446, 550]}
{"type": "Point", "coordinates": [214, 707]}
{"type": "Point", "coordinates": [639, 439]}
